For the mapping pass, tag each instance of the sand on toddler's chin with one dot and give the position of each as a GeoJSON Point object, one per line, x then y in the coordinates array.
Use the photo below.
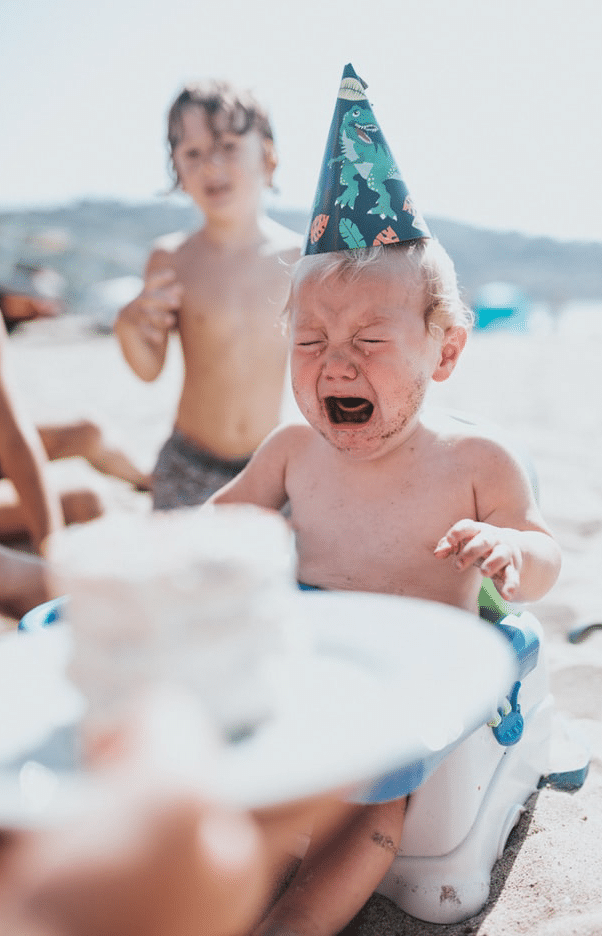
{"type": "Point", "coordinates": [544, 387]}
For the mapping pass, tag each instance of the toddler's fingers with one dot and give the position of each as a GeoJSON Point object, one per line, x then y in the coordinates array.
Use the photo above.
{"type": "Point", "coordinates": [455, 537]}
{"type": "Point", "coordinates": [499, 557]}
{"type": "Point", "coordinates": [461, 532]}
{"type": "Point", "coordinates": [443, 548]}
{"type": "Point", "coordinates": [474, 552]}
{"type": "Point", "coordinates": [507, 581]}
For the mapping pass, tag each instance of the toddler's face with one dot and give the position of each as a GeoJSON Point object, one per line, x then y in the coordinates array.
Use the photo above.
{"type": "Point", "coordinates": [223, 172]}
{"type": "Point", "coordinates": [361, 355]}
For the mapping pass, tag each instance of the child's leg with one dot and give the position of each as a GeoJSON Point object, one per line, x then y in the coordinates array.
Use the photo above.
{"type": "Point", "coordinates": [81, 505]}
{"type": "Point", "coordinates": [78, 506]}
{"type": "Point", "coordinates": [335, 879]}
{"type": "Point", "coordinates": [286, 830]}
{"type": "Point", "coordinates": [22, 582]}
{"type": "Point", "coordinates": [13, 523]}
{"type": "Point", "coordinates": [85, 438]}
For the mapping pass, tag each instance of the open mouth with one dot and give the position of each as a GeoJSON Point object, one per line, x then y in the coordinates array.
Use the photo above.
{"type": "Point", "coordinates": [348, 409]}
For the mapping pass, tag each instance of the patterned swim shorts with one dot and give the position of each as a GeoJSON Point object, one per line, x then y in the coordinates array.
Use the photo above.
{"type": "Point", "coordinates": [186, 475]}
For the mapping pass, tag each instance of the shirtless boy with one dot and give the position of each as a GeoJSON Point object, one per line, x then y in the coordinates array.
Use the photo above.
{"type": "Point", "coordinates": [383, 499]}
{"type": "Point", "coordinates": [223, 288]}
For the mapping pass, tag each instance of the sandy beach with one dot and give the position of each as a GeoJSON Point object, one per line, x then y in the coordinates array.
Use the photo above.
{"type": "Point", "coordinates": [543, 387]}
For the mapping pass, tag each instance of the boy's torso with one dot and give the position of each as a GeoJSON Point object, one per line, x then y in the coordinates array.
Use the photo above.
{"type": "Point", "coordinates": [373, 526]}
{"type": "Point", "coordinates": [233, 344]}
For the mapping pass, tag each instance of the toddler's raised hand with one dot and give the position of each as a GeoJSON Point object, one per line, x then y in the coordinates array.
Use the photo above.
{"type": "Point", "coordinates": [495, 550]}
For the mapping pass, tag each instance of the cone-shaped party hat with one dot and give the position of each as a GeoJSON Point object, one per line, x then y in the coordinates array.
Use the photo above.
{"type": "Point", "coordinates": [361, 198]}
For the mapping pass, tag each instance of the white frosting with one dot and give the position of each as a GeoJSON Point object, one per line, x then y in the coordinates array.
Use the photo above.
{"type": "Point", "coordinates": [201, 597]}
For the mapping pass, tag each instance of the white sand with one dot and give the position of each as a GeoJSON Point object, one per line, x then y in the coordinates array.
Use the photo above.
{"type": "Point", "coordinates": [545, 387]}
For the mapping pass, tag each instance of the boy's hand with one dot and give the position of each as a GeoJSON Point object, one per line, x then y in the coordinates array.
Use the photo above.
{"type": "Point", "coordinates": [153, 312]}
{"type": "Point", "coordinates": [495, 550]}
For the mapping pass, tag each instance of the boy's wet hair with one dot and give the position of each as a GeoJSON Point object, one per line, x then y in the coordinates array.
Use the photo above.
{"type": "Point", "coordinates": [218, 99]}
{"type": "Point", "coordinates": [424, 256]}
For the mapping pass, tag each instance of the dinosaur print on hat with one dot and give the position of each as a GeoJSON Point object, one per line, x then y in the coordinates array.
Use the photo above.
{"type": "Point", "coordinates": [361, 198]}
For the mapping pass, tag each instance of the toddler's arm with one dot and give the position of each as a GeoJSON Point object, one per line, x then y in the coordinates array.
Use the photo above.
{"type": "Point", "coordinates": [507, 538]}
{"type": "Point", "coordinates": [143, 325]}
{"type": "Point", "coordinates": [263, 481]}
{"type": "Point", "coordinates": [523, 564]}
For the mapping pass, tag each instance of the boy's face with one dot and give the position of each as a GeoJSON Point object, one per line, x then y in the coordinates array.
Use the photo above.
{"type": "Point", "coordinates": [223, 172]}
{"type": "Point", "coordinates": [361, 354]}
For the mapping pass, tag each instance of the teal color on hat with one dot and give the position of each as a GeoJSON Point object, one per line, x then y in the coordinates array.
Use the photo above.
{"type": "Point", "coordinates": [361, 199]}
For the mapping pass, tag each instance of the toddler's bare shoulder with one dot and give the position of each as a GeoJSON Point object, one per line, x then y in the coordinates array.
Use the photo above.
{"type": "Point", "coordinates": [284, 444]}
{"type": "Point", "coordinates": [289, 439]}
{"type": "Point", "coordinates": [478, 440]}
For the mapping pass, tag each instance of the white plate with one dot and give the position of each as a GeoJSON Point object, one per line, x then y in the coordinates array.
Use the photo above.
{"type": "Point", "coordinates": [388, 682]}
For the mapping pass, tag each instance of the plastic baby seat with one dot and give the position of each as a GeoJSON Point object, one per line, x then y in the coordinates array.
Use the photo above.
{"type": "Point", "coordinates": [459, 819]}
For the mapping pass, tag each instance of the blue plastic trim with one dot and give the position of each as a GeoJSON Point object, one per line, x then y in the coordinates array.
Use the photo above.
{"type": "Point", "coordinates": [401, 782]}
{"type": "Point", "coordinates": [510, 729]}
{"type": "Point", "coordinates": [567, 781]}
{"type": "Point", "coordinates": [523, 641]}
{"type": "Point", "coordinates": [44, 615]}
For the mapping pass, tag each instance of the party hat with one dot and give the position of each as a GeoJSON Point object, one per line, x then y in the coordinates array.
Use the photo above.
{"type": "Point", "coordinates": [361, 198]}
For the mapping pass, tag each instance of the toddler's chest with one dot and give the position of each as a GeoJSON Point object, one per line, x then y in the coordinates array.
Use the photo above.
{"type": "Point", "coordinates": [386, 516]}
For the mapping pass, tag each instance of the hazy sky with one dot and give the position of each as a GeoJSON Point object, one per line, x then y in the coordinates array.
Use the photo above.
{"type": "Point", "coordinates": [492, 109]}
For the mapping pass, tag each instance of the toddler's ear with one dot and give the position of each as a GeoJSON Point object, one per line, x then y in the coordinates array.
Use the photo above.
{"type": "Point", "coordinates": [452, 346]}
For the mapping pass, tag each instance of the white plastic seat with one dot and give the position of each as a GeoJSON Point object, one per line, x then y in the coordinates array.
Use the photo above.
{"type": "Point", "coordinates": [459, 819]}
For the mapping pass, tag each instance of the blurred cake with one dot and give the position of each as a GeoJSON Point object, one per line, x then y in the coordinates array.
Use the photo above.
{"type": "Point", "coordinates": [201, 598]}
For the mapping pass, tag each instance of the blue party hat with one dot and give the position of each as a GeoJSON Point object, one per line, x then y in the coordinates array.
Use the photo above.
{"type": "Point", "coordinates": [361, 198]}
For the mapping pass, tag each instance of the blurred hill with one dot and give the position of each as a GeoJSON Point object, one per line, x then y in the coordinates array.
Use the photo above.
{"type": "Point", "coordinates": [92, 241]}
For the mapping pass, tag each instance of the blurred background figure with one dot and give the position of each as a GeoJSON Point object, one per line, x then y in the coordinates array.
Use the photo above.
{"type": "Point", "coordinates": [32, 292]}
{"type": "Point", "coordinates": [28, 504]}
{"type": "Point", "coordinates": [222, 288]}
